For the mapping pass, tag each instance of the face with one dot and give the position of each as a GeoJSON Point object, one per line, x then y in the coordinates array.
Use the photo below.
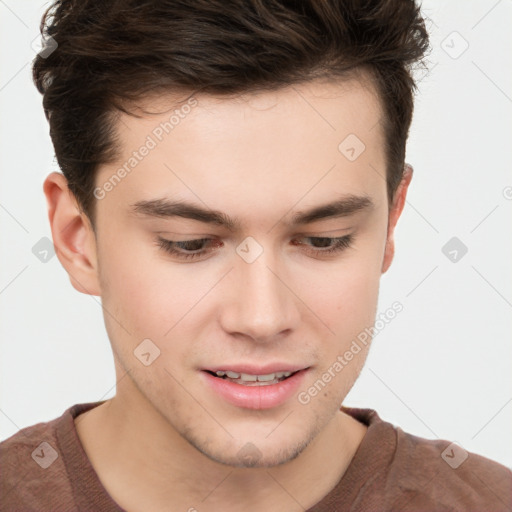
{"type": "Point", "coordinates": [215, 247]}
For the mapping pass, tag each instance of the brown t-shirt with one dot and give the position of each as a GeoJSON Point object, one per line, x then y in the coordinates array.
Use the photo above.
{"type": "Point", "coordinates": [44, 467]}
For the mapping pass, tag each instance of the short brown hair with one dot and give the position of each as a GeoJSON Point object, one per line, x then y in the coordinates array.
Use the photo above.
{"type": "Point", "coordinates": [111, 53]}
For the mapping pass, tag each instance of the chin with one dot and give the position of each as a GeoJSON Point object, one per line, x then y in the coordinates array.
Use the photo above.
{"type": "Point", "coordinates": [250, 456]}
{"type": "Point", "coordinates": [246, 451]}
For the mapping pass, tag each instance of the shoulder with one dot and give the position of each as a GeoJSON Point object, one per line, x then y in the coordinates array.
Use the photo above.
{"type": "Point", "coordinates": [34, 474]}
{"type": "Point", "coordinates": [444, 475]}
{"type": "Point", "coordinates": [30, 465]}
{"type": "Point", "coordinates": [395, 470]}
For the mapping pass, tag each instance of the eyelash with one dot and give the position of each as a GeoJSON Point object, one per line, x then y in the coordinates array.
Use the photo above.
{"type": "Point", "coordinates": [169, 246]}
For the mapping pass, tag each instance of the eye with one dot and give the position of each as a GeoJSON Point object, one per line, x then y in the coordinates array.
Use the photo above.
{"type": "Point", "coordinates": [182, 249]}
{"type": "Point", "coordinates": [193, 249]}
{"type": "Point", "coordinates": [327, 245]}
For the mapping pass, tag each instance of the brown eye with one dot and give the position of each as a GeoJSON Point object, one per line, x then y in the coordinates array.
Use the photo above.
{"type": "Point", "coordinates": [186, 249]}
{"type": "Point", "coordinates": [328, 245]}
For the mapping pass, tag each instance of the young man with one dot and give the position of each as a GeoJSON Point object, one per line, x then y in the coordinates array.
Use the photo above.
{"type": "Point", "coordinates": [233, 175]}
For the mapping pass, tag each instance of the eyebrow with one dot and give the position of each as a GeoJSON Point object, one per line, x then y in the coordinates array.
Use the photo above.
{"type": "Point", "coordinates": [164, 208]}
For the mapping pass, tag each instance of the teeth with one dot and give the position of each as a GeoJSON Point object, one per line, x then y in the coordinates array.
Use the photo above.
{"type": "Point", "coordinates": [266, 378]}
{"type": "Point", "coordinates": [249, 378]}
{"type": "Point", "coordinates": [246, 377]}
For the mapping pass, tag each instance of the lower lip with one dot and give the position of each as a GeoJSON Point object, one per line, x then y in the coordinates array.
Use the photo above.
{"type": "Point", "coordinates": [256, 397]}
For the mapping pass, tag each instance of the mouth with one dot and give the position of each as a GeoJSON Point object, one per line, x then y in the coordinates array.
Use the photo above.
{"type": "Point", "coordinates": [249, 379]}
{"type": "Point", "coordinates": [251, 387]}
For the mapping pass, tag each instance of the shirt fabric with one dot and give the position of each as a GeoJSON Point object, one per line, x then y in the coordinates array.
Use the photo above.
{"type": "Point", "coordinates": [45, 468]}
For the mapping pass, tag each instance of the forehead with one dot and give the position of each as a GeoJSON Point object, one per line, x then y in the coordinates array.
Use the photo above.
{"type": "Point", "coordinates": [349, 105]}
{"type": "Point", "coordinates": [343, 103]}
{"type": "Point", "coordinates": [254, 148]}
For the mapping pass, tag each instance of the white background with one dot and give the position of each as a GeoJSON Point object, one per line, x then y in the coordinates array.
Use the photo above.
{"type": "Point", "coordinates": [441, 369]}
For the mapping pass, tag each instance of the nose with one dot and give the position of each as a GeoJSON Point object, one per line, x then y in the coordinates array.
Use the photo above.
{"type": "Point", "coordinates": [258, 300]}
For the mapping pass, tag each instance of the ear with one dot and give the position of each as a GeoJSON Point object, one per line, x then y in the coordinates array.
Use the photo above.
{"type": "Point", "coordinates": [73, 236]}
{"type": "Point", "coordinates": [394, 214]}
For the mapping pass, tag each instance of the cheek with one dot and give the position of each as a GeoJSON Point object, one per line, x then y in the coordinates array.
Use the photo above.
{"type": "Point", "coordinates": [349, 291]}
{"type": "Point", "coordinates": [348, 312]}
{"type": "Point", "coordinates": [359, 293]}
{"type": "Point", "coordinates": [347, 302]}
{"type": "Point", "coordinates": [144, 292]}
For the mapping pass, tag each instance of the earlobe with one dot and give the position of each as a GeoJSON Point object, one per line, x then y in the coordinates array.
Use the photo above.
{"type": "Point", "coordinates": [394, 214]}
{"type": "Point", "coordinates": [73, 236]}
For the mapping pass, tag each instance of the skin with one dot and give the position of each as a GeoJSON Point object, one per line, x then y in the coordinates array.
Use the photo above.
{"type": "Point", "coordinates": [166, 441]}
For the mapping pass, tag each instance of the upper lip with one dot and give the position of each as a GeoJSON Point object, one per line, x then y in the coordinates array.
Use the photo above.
{"type": "Point", "coordinates": [251, 369]}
